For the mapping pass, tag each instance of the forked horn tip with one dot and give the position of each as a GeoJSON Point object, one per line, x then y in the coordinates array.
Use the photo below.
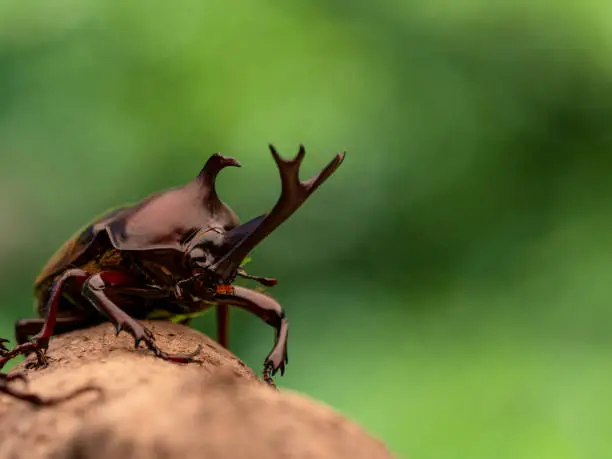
{"type": "Point", "coordinates": [301, 153]}
{"type": "Point", "coordinates": [298, 158]}
{"type": "Point", "coordinates": [337, 161]}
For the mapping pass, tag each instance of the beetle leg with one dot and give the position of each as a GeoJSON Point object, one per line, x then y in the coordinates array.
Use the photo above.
{"type": "Point", "coordinates": [94, 290]}
{"type": "Point", "coordinates": [267, 309]}
{"type": "Point", "coordinates": [25, 328]}
{"type": "Point", "coordinates": [39, 342]}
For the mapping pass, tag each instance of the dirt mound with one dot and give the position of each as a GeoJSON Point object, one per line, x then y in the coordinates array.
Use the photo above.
{"type": "Point", "coordinates": [215, 408]}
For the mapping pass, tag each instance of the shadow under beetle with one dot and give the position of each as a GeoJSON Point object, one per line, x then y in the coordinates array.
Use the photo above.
{"type": "Point", "coordinates": [177, 251]}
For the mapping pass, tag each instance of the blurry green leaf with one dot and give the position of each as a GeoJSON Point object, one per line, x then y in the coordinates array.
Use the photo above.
{"type": "Point", "coordinates": [181, 317]}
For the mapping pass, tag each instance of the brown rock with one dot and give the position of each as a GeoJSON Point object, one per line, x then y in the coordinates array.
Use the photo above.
{"type": "Point", "coordinates": [215, 408]}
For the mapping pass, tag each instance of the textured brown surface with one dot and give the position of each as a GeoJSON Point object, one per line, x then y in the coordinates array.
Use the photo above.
{"type": "Point", "coordinates": [216, 408]}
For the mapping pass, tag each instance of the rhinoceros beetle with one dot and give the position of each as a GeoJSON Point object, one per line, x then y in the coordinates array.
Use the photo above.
{"type": "Point", "coordinates": [177, 251]}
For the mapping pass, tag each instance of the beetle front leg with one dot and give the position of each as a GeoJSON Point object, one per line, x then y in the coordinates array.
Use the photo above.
{"type": "Point", "coordinates": [267, 309]}
{"type": "Point", "coordinates": [266, 281]}
{"type": "Point", "coordinates": [94, 290]}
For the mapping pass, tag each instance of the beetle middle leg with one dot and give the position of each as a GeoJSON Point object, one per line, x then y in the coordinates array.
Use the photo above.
{"type": "Point", "coordinates": [95, 290]}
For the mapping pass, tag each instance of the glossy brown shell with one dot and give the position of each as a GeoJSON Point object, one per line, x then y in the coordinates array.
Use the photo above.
{"type": "Point", "coordinates": [163, 220]}
{"type": "Point", "coordinates": [73, 248]}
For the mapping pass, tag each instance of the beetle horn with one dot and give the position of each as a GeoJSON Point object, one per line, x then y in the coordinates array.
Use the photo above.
{"type": "Point", "coordinates": [208, 175]}
{"type": "Point", "coordinates": [214, 165]}
{"type": "Point", "coordinates": [294, 192]}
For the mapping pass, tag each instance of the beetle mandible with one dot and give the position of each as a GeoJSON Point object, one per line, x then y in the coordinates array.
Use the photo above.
{"type": "Point", "coordinates": [177, 251]}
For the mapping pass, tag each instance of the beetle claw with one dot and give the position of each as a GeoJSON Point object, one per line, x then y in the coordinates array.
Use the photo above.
{"type": "Point", "coordinates": [189, 357]}
{"type": "Point", "coordinates": [179, 358]}
{"type": "Point", "coordinates": [143, 334]}
{"type": "Point", "coordinates": [268, 371]}
{"type": "Point", "coordinates": [36, 344]}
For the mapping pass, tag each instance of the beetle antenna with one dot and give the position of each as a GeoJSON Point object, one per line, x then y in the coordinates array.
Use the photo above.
{"type": "Point", "coordinates": [267, 281]}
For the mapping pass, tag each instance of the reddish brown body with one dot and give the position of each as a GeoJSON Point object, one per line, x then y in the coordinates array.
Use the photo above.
{"type": "Point", "coordinates": [177, 251]}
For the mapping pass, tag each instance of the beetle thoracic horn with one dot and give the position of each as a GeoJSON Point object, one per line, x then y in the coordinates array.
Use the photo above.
{"type": "Point", "coordinates": [214, 165]}
{"type": "Point", "coordinates": [294, 193]}
{"type": "Point", "coordinates": [208, 176]}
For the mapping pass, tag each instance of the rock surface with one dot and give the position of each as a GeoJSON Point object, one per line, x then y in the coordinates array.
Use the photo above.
{"type": "Point", "coordinates": [215, 408]}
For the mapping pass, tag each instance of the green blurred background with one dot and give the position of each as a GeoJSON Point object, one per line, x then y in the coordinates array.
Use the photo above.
{"type": "Point", "coordinates": [449, 286]}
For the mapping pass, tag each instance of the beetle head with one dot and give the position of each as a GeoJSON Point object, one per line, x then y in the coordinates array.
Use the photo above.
{"type": "Point", "coordinates": [204, 249]}
{"type": "Point", "coordinates": [216, 259]}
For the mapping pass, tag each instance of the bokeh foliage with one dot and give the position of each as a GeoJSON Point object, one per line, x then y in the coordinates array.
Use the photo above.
{"type": "Point", "coordinates": [449, 286]}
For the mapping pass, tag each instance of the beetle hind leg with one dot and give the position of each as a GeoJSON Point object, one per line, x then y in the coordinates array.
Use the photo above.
{"type": "Point", "coordinates": [26, 329]}
{"type": "Point", "coordinates": [94, 290]}
{"type": "Point", "coordinates": [40, 341]}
